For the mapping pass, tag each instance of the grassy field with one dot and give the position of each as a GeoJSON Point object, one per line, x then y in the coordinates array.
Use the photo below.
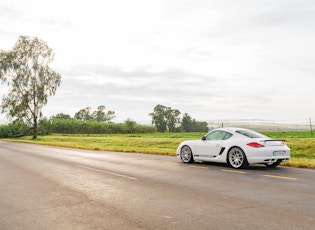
{"type": "Point", "coordinates": [301, 143]}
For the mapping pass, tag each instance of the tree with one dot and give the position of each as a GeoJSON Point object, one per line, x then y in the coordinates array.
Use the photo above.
{"type": "Point", "coordinates": [98, 115]}
{"type": "Point", "coordinates": [165, 118]}
{"type": "Point", "coordinates": [172, 118]}
{"type": "Point", "coordinates": [187, 123]}
{"type": "Point", "coordinates": [130, 125]}
{"type": "Point", "coordinates": [199, 126]}
{"type": "Point", "coordinates": [158, 117]}
{"type": "Point", "coordinates": [26, 71]}
{"type": "Point", "coordinates": [84, 114]}
{"type": "Point", "coordinates": [61, 116]}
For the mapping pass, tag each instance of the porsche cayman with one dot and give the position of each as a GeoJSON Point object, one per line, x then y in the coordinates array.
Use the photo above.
{"type": "Point", "coordinates": [237, 147]}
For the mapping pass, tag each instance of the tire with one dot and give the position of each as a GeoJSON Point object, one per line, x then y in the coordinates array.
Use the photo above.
{"type": "Point", "coordinates": [275, 164]}
{"type": "Point", "coordinates": [186, 154]}
{"type": "Point", "coordinates": [236, 158]}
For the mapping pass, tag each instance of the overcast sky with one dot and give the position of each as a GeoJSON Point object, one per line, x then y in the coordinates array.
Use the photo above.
{"type": "Point", "coordinates": [213, 59]}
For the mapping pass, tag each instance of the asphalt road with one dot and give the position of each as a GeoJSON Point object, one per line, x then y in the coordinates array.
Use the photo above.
{"type": "Point", "coordinates": [45, 187]}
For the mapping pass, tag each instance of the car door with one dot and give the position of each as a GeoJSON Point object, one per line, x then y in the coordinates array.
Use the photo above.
{"type": "Point", "coordinates": [210, 146]}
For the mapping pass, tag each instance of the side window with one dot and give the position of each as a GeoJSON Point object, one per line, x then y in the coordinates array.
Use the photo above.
{"type": "Point", "coordinates": [227, 136]}
{"type": "Point", "coordinates": [218, 135]}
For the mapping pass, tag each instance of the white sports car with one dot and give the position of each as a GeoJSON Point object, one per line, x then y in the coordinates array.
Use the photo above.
{"type": "Point", "coordinates": [237, 147]}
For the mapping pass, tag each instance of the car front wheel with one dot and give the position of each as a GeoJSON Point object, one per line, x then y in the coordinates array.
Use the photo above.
{"type": "Point", "coordinates": [237, 158]}
{"type": "Point", "coordinates": [186, 154]}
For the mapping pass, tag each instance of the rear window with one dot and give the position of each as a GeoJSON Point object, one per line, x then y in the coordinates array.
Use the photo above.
{"type": "Point", "coordinates": [250, 134]}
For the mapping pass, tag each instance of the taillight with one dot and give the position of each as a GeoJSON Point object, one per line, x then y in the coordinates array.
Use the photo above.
{"type": "Point", "coordinates": [255, 145]}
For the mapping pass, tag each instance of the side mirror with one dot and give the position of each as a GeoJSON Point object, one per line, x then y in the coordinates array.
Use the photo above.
{"type": "Point", "coordinates": [203, 138]}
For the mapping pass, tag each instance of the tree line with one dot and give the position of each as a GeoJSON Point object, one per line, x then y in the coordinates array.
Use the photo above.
{"type": "Point", "coordinates": [167, 119]}
{"type": "Point", "coordinates": [25, 70]}
{"type": "Point", "coordinates": [86, 121]}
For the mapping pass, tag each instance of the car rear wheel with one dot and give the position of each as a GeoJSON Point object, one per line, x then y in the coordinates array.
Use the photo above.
{"type": "Point", "coordinates": [186, 154]}
{"type": "Point", "coordinates": [237, 158]}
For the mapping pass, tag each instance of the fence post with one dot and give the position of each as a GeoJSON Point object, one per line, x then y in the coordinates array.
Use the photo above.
{"type": "Point", "coordinates": [311, 127]}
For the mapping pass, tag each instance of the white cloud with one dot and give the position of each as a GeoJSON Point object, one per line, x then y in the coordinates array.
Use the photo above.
{"type": "Point", "coordinates": [216, 59]}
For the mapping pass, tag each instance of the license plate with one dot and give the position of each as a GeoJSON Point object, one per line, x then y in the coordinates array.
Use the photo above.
{"type": "Point", "coordinates": [274, 143]}
{"type": "Point", "coordinates": [279, 153]}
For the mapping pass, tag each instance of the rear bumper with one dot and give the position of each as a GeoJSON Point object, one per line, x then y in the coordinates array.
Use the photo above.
{"type": "Point", "coordinates": [267, 156]}
{"type": "Point", "coordinates": [267, 160]}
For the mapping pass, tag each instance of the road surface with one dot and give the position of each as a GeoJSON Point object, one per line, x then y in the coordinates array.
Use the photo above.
{"type": "Point", "coordinates": [44, 187]}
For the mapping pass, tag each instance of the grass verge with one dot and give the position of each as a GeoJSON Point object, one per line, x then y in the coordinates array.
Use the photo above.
{"type": "Point", "coordinates": [302, 147]}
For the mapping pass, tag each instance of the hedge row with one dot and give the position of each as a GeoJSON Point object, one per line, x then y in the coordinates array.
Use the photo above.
{"type": "Point", "coordinates": [13, 130]}
{"type": "Point", "coordinates": [73, 126]}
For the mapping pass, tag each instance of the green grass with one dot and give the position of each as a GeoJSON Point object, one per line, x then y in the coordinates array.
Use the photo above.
{"type": "Point", "coordinates": [301, 143]}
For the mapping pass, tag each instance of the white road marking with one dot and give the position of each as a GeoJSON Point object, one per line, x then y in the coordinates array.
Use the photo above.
{"type": "Point", "coordinates": [111, 173]}
{"type": "Point", "coordinates": [198, 167]}
{"type": "Point", "coordinates": [280, 177]}
{"type": "Point", "coordinates": [172, 163]}
{"type": "Point", "coordinates": [232, 171]}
